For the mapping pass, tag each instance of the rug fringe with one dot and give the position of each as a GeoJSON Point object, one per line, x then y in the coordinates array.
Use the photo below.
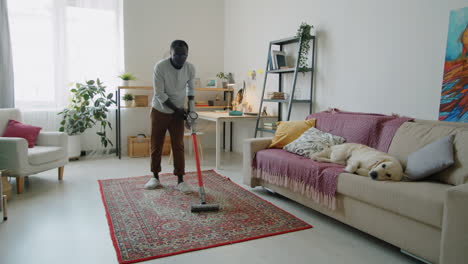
{"type": "Point", "coordinates": [309, 191]}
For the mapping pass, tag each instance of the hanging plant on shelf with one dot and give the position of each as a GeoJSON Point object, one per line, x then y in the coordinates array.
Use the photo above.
{"type": "Point", "coordinates": [304, 33]}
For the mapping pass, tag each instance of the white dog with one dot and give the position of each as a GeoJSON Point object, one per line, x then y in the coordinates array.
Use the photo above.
{"type": "Point", "coordinates": [362, 160]}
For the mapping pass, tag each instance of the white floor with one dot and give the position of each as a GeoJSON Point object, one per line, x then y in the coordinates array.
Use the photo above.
{"type": "Point", "coordinates": [64, 222]}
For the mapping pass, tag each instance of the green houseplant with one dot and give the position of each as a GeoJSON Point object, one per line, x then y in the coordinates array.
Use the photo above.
{"type": "Point", "coordinates": [128, 98]}
{"type": "Point", "coordinates": [304, 33]}
{"type": "Point", "coordinates": [126, 78]}
{"type": "Point", "coordinates": [223, 77]}
{"type": "Point", "coordinates": [88, 108]}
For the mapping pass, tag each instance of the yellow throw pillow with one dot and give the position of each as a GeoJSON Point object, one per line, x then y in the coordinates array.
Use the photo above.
{"type": "Point", "coordinates": [288, 131]}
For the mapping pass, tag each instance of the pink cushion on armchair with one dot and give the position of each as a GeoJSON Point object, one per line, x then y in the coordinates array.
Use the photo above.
{"type": "Point", "coordinates": [18, 129]}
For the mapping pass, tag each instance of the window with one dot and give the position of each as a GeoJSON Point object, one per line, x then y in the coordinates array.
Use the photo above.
{"type": "Point", "coordinates": [58, 42]}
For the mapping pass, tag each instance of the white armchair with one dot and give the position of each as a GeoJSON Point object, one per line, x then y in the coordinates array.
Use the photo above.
{"type": "Point", "coordinates": [51, 151]}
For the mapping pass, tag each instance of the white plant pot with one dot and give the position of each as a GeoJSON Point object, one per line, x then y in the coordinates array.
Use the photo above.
{"type": "Point", "coordinates": [125, 83]}
{"type": "Point", "coordinates": [74, 146]}
{"type": "Point", "coordinates": [129, 103]}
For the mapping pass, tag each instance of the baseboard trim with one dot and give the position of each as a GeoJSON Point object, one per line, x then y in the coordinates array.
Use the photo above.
{"type": "Point", "coordinates": [414, 256]}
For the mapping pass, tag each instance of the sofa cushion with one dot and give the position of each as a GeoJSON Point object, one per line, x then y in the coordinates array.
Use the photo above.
{"type": "Point", "coordinates": [313, 141]}
{"type": "Point", "coordinates": [412, 136]}
{"type": "Point", "coordinates": [41, 155]}
{"type": "Point", "coordinates": [288, 131]}
{"type": "Point", "coordinates": [432, 158]}
{"type": "Point", "coordinates": [17, 129]}
{"type": "Point", "coordinates": [422, 201]}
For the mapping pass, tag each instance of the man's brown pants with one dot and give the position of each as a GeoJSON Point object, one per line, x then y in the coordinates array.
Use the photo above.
{"type": "Point", "coordinates": [160, 123]}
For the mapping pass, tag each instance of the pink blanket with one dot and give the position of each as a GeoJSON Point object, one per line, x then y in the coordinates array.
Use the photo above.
{"type": "Point", "coordinates": [319, 180]}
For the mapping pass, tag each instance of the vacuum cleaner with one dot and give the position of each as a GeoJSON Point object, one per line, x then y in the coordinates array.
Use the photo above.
{"type": "Point", "coordinates": [202, 206]}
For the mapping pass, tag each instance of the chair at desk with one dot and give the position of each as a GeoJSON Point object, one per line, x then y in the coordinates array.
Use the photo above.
{"type": "Point", "coordinates": [199, 141]}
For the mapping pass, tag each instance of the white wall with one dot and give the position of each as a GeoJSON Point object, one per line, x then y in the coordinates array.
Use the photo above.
{"type": "Point", "coordinates": [373, 55]}
{"type": "Point", "coordinates": [149, 28]}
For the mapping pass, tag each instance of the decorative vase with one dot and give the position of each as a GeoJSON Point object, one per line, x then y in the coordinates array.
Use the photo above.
{"type": "Point", "coordinates": [74, 146]}
{"type": "Point", "coordinates": [225, 85]}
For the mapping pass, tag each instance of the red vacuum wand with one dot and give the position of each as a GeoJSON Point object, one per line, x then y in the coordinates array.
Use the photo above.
{"type": "Point", "coordinates": [203, 206]}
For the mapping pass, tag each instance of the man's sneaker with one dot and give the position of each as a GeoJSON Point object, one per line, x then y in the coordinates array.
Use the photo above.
{"type": "Point", "coordinates": [183, 187]}
{"type": "Point", "coordinates": [153, 183]}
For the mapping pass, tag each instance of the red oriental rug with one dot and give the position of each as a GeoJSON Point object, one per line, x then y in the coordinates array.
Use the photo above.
{"type": "Point", "coordinates": [149, 224]}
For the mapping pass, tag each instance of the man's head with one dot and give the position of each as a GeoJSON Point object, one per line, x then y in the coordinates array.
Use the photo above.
{"type": "Point", "coordinates": [179, 52]}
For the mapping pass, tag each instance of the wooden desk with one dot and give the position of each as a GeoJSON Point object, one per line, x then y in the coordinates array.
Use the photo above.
{"type": "Point", "coordinates": [220, 118]}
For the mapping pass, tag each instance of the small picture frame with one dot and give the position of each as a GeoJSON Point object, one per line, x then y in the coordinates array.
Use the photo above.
{"type": "Point", "coordinates": [279, 59]}
{"type": "Point", "coordinates": [212, 83]}
{"type": "Point", "coordinates": [196, 83]}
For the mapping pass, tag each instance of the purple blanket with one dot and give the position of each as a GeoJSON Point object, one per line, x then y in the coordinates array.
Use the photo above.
{"type": "Point", "coordinates": [313, 179]}
{"type": "Point", "coordinates": [373, 130]}
{"type": "Point", "coordinates": [319, 180]}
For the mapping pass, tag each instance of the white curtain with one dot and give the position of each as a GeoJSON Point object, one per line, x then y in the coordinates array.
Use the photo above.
{"type": "Point", "coordinates": [7, 99]}
{"type": "Point", "coordinates": [58, 42]}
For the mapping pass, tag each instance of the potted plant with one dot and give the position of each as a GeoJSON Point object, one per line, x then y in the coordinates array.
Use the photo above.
{"type": "Point", "coordinates": [126, 78]}
{"type": "Point", "coordinates": [128, 98]}
{"type": "Point", "coordinates": [88, 108]}
{"type": "Point", "coordinates": [223, 77]}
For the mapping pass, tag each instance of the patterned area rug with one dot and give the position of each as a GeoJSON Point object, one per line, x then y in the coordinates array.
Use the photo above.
{"type": "Point", "coordinates": [149, 224]}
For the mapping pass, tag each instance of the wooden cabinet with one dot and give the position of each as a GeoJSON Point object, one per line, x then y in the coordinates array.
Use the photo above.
{"type": "Point", "coordinates": [138, 147]}
{"type": "Point", "coordinates": [141, 147]}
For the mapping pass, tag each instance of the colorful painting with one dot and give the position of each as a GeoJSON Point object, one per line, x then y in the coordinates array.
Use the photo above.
{"type": "Point", "coordinates": [454, 98]}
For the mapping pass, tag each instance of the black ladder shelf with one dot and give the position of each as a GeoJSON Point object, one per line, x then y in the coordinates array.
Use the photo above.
{"type": "Point", "coordinates": [295, 71]}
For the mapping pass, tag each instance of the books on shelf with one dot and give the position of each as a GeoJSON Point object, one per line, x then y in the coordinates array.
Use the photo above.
{"type": "Point", "coordinates": [277, 95]}
{"type": "Point", "coordinates": [268, 125]}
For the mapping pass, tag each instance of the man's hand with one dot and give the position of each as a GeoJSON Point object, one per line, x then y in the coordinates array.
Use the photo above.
{"type": "Point", "coordinates": [180, 114]}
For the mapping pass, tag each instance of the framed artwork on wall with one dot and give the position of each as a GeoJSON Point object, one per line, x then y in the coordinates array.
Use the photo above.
{"type": "Point", "coordinates": [211, 83]}
{"type": "Point", "coordinates": [454, 99]}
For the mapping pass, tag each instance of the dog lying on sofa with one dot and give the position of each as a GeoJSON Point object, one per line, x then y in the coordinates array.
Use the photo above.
{"type": "Point", "coordinates": [362, 160]}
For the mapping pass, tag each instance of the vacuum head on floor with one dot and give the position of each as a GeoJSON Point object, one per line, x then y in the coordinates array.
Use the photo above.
{"type": "Point", "coordinates": [204, 208]}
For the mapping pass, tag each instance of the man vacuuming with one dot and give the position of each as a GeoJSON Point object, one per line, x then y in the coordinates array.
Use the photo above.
{"type": "Point", "coordinates": [172, 82]}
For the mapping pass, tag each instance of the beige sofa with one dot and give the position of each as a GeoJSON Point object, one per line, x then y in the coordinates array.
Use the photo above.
{"type": "Point", "coordinates": [428, 219]}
